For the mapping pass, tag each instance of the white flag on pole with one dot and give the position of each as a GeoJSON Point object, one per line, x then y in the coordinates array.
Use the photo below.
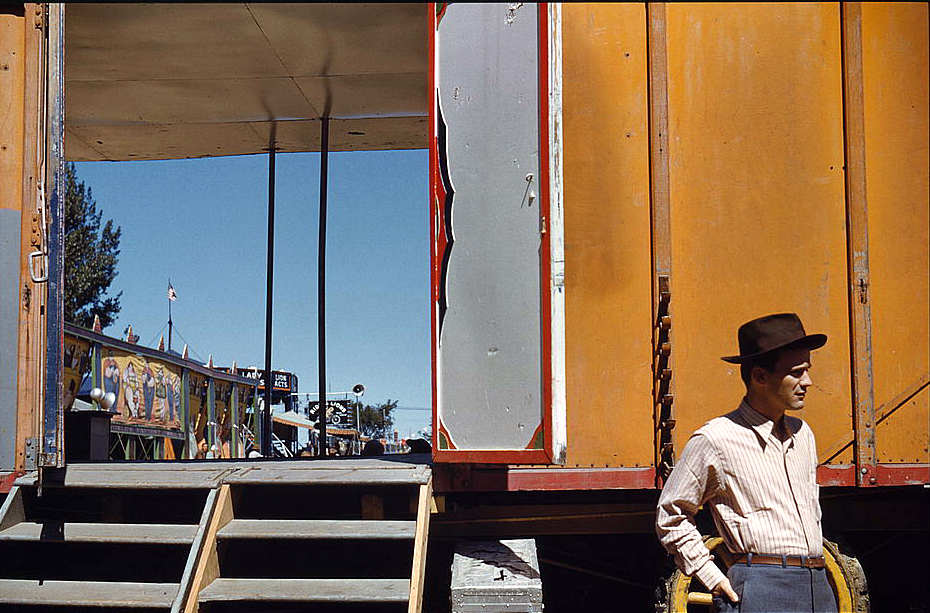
{"type": "Point", "coordinates": [172, 295]}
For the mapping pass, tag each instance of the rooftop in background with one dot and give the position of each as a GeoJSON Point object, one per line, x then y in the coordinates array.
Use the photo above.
{"type": "Point", "coordinates": [169, 81]}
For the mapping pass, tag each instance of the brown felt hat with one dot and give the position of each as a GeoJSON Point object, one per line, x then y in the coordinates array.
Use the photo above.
{"type": "Point", "coordinates": [766, 334]}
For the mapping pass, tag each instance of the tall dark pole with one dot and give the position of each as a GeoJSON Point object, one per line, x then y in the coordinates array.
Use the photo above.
{"type": "Point", "coordinates": [269, 276]}
{"type": "Point", "coordinates": [321, 280]}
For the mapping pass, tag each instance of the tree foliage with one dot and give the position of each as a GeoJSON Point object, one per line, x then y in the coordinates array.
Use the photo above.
{"type": "Point", "coordinates": [377, 419]}
{"type": "Point", "coordinates": [90, 257]}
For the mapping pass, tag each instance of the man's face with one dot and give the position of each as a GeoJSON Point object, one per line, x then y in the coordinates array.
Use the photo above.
{"type": "Point", "coordinates": [786, 387]}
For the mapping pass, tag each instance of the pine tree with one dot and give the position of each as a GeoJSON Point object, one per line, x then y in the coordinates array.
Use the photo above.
{"type": "Point", "coordinates": [90, 257]}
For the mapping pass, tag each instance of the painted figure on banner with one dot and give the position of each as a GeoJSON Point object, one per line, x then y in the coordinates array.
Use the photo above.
{"type": "Point", "coordinates": [76, 367]}
{"type": "Point", "coordinates": [129, 407]}
{"type": "Point", "coordinates": [111, 380]}
{"type": "Point", "coordinates": [170, 395]}
{"type": "Point", "coordinates": [160, 407]}
{"type": "Point", "coordinates": [148, 391]}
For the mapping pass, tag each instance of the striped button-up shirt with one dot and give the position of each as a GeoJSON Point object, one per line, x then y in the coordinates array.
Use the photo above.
{"type": "Point", "coordinates": [762, 492]}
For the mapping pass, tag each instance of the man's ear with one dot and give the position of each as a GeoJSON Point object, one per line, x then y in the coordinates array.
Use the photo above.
{"type": "Point", "coordinates": [758, 375]}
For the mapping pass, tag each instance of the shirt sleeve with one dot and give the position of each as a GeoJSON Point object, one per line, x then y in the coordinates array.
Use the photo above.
{"type": "Point", "coordinates": [693, 480]}
{"type": "Point", "coordinates": [815, 487]}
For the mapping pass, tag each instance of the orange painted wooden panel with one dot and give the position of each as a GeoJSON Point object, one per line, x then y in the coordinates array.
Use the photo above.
{"type": "Point", "coordinates": [895, 69]}
{"type": "Point", "coordinates": [757, 198]}
{"type": "Point", "coordinates": [607, 266]}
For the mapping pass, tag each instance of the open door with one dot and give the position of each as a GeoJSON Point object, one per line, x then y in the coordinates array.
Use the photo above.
{"type": "Point", "coordinates": [497, 263]}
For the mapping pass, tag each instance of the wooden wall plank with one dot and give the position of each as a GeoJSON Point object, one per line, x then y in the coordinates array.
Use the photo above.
{"type": "Point", "coordinates": [895, 68]}
{"type": "Point", "coordinates": [757, 195]}
{"type": "Point", "coordinates": [607, 274]}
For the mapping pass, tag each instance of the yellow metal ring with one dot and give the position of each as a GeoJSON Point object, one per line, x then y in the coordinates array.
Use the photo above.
{"type": "Point", "coordinates": [835, 576]}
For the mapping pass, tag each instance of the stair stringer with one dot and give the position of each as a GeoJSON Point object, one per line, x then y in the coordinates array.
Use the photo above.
{"type": "Point", "coordinates": [197, 547]}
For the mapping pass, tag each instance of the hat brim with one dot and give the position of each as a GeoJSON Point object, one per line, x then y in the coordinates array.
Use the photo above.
{"type": "Point", "coordinates": [811, 341]}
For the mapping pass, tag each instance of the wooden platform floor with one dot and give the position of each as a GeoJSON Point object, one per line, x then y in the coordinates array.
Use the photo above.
{"type": "Point", "coordinates": [184, 474]}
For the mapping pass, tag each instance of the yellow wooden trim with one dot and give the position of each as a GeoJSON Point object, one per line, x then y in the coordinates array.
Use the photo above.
{"type": "Point", "coordinates": [208, 564]}
{"type": "Point", "coordinates": [418, 572]}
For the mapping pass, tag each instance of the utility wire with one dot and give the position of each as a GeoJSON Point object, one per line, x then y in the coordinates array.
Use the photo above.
{"type": "Point", "coordinates": [189, 346]}
{"type": "Point", "coordinates": [149, 344]}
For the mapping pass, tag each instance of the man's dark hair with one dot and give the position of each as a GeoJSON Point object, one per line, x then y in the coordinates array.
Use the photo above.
{"type": "Point", "coordinates": [765, 361]}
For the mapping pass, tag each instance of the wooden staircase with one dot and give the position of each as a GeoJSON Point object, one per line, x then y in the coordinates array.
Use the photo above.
{"type": "Point", "coordinates": [270, 536]}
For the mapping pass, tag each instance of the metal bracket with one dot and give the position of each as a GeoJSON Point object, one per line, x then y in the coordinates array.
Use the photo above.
{"type": "Point", "coordinates": [32, 275]}
{"type": "Point", "coordinates": [32, 444]}
{"type": "Point", "coordinates": [663, 399]}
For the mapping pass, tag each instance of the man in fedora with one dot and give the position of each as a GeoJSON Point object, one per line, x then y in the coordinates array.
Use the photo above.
{"type": "Point", "coordinates": [755, 469]}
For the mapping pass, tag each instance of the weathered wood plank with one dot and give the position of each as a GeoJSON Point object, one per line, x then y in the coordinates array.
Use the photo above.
{"type": "Point", "coordinates": [409, 461]}
{"type": "Point", "coordinates": [12, 512]}
{"type": "Point", "coordinates": [317, 529]}
{"type": "Point", "coordinates": [129, 478]}
{"type": "Point", "coordinates": [181, 534]}
{"type": "Point", "coordinates": [418, 567]}
{"type": "Point", "coordinates": [87, 593]}
{"type": "Point", "coordinates": [381, 476]}
{"type": "Point", "coordinates": [190, 567]}
{"type": "Point", "coordinates": [208, 565]}
{"type": "Point", "coordinates": [192, 474]}
{"type": "Point", "coordinates": [307, 590]}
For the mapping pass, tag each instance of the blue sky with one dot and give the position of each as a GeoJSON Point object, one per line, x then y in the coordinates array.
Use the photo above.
{"type": "Point", "coordinates": [202, 223]}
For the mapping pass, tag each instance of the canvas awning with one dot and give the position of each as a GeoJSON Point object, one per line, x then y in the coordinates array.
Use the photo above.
{"type": "Point", "coordinates": [167, 81]}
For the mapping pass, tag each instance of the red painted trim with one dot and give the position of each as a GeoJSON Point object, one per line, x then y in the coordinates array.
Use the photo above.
{"type": "Point", "coordinates": [477, 478]}
{"type": "Point", "coordinates": [529, 445]}
{"type": "Point", "coordinates": [6, 481]}
{"type": "Point", "coordinates": [441, 429]}
{"type": "Point", "coordinates": [492, 456]}
{"type": "Point", "coordinates": [433, 164]}
{"type": "Point", "coordinates": [844, 475]}
{"type": "Point", "coordinates": [545, 255]}
{"type": "Point", "coordinates": [513, 479]}
{"type": "Point", "coordinates": [515, 456]}
{"type": "Point", "coordinates": [836, 475]}
{"type": "Point", "coordinates": [902, 474]}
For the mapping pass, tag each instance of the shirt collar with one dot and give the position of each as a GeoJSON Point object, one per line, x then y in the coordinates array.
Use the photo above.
{"type": "Point", "coordinates": [760, 423]}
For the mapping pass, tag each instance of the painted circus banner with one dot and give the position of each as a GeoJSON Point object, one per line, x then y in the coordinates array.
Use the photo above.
{"type": "Point", "coordinates": [148, 392]}
{"type": "Point", "coordinates": [76, 365]}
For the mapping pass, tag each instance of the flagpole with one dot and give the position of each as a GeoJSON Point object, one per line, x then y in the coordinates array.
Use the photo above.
{"type": "Point", "coordinates": [170, 323]}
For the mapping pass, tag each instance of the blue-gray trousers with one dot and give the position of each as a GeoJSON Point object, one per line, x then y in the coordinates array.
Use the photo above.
{"type": "Point", "coordinates": [764, 588]}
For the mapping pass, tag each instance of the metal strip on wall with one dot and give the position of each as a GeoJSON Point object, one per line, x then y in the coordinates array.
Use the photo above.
{"type": "Point", "coordinates": [858, 245]}
{"type": "Point", "coordinates": [52, 454]}
{"type": "Point", "coordinates": [656, 42]}
{"type": "Point", "coordinates": [558, 430]}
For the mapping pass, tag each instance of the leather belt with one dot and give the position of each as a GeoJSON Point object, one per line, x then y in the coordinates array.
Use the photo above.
{"type": "Point", "coordinates": [802, 561]}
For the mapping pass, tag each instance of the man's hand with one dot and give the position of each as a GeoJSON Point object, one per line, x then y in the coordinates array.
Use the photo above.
{"type": "Point", "coordinates": [725, 589]}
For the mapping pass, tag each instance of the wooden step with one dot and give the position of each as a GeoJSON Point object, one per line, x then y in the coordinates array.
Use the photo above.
{"type": "Point", "coordinates": [193, 474]}
{"type": "Point", "coordinates": [307, 590]}
{"type": "Point", "coordinates": [275, 475]}
{"type": "Point", "coordinates": [167, 534]}
{"type": "Point", "coordinates": [316, 529]}
{"type": "Point", "coordinates": [87, 593]}
{"type": "Point", "coordinates": [126, 477]}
